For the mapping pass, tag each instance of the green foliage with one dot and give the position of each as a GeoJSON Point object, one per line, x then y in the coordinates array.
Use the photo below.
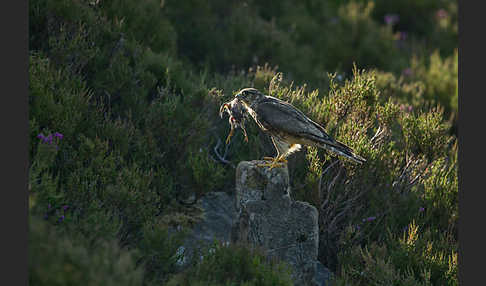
{"type": "Point", "coordinates": [233, 265]}
{"type": "Point", "coordinates": [440, 192]}
{"type": "Point", "coordinates": [356, 37]}
{"type": "Point", "coordinates": [202, 168]}
{"type": "Point", "coordinates": [159, 253]}
{"type": "Point", "coordinates": [414, 258]}
{"type": "Point", "coordinates": [440, 78]}
{"type": "Point", "coordinates": [91, 181]}
{"type": "Point", "coordinates": [425, 134]}
{"type": "Point", "coordinates": [435, 21]}
{"type": "Point", "coordinates": [57, 259]}
{"type": "Point", "coordinates": [152, 30]}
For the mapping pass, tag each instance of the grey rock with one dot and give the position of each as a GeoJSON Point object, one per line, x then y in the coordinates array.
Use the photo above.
{"type": "Point", "coordinates": [255, 183]}
{"type": "Point", "coordinates": [322, 276]}
{"type": "Point", "coordinates": [271, 220]}
{"type": "Point", "coordinates": [218, 216]}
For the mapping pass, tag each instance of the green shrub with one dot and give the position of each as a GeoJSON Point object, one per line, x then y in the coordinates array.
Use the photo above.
{"type": "Point", "coordinates": [89, 183]}
{"type": "Point", "coordinates": [440, 78]}
{"type": "Point", "coordinates": [152, 30]}
{"type": "Point", "coordinates": [57, 259]}
{"type": "Point", "coordinates": [435, 21]}
{"type": "Point", "coordinates": [233, 265]}
{"type": "Point", "coordinates": [159, 252]}
{"type": "Point", "coordinates": [417, 257]}
{"type": "Point", "coordinates": [354, 37]}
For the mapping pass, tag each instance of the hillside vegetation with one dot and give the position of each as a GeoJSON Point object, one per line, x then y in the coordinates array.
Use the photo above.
{"type": "Point", "coordinates": [124, 128]}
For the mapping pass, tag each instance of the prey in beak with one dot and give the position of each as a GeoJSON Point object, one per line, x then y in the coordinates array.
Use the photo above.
{"type": "Point", "coordinates": [236, 119]}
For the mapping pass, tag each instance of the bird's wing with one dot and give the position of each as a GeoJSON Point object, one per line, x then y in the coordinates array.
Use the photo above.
{"type": "Point", "coordinates": [274, 113]}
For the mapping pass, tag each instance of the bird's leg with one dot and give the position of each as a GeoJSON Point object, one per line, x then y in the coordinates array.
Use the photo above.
{"type": "Point", "coordinates": [244, 132]}
{"type": "Point", "coordinates": [232, 130]}
{"type": "Point", "coordinates": [281, 159]}
{"type": "Point", "coordinates": [228, 139]}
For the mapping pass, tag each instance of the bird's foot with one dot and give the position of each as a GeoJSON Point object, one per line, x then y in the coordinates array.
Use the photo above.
{"type": "Point", "coordinates": [275, 162]}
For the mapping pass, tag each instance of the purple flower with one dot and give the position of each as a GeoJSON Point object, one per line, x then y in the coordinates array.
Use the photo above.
{"type": "Point", "coordinates": [358, 227]}
{"type": "Point", "coordinates": [442, 13]}
{"type": "Point", "coordinates": [410, 108]}
{"type": "Point", "coordinates": [421, 209]}
{"type": "Point", "coordinates": [49, 206]}
{"type": "Point", "coordinates": [65, 207]}
{"type": "Point", "coordinates": [61, 218]}
{"type": "Point", "coordinates": [391, 19]}
{"type": "Point", "coordinates": [58, 135]}
{"type": "Point", "coordinates": [43, 138]}
{"type": "Point", "coordinates": [49, 139]}
{"type": "Point", "coordinates": [368, 219]}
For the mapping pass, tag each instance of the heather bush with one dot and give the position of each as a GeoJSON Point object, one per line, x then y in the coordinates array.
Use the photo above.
{"type": "Point", "coordinates": [153, 30]}
{"type": "Point", "coordinates": [434, 23]}
{"type": "Point", "coordinates": [440, 78]}
{"type": "Point", "coordinates": [424, 85]}
{"type": "Point", "coordinates": [158, 251]}
{"type": "Point", "coordinates": [57, 259]}
{"type": "Point", "coordinates": [80, 177]}
{"type": "Point", "coordinates": [233, 265]}
{"type": "Point", "coordinates": [353, 36]}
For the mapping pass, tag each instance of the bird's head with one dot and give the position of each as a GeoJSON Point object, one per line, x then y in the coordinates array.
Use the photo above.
{"type": "Point", "coordinates": [249, 95]}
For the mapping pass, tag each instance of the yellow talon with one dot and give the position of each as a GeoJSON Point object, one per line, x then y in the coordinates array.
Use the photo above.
{"type": "Point", "coordinates": [271, 165]}
{"type": "Point", "coordinates": [275, 162]}
{"type": "Point", "coordinates": [229, 137]}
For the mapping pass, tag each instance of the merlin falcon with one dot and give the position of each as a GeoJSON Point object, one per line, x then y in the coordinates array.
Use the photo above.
{"type": "Point", "coordinates": [287, 126]}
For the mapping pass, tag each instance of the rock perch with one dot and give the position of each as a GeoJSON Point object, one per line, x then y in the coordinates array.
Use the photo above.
{"type": "Point", "coordinates": [271, 220]}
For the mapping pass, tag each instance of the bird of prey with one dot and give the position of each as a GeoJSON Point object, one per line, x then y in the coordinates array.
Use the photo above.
{"type": "Point", "coordinates": [288, 127]}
